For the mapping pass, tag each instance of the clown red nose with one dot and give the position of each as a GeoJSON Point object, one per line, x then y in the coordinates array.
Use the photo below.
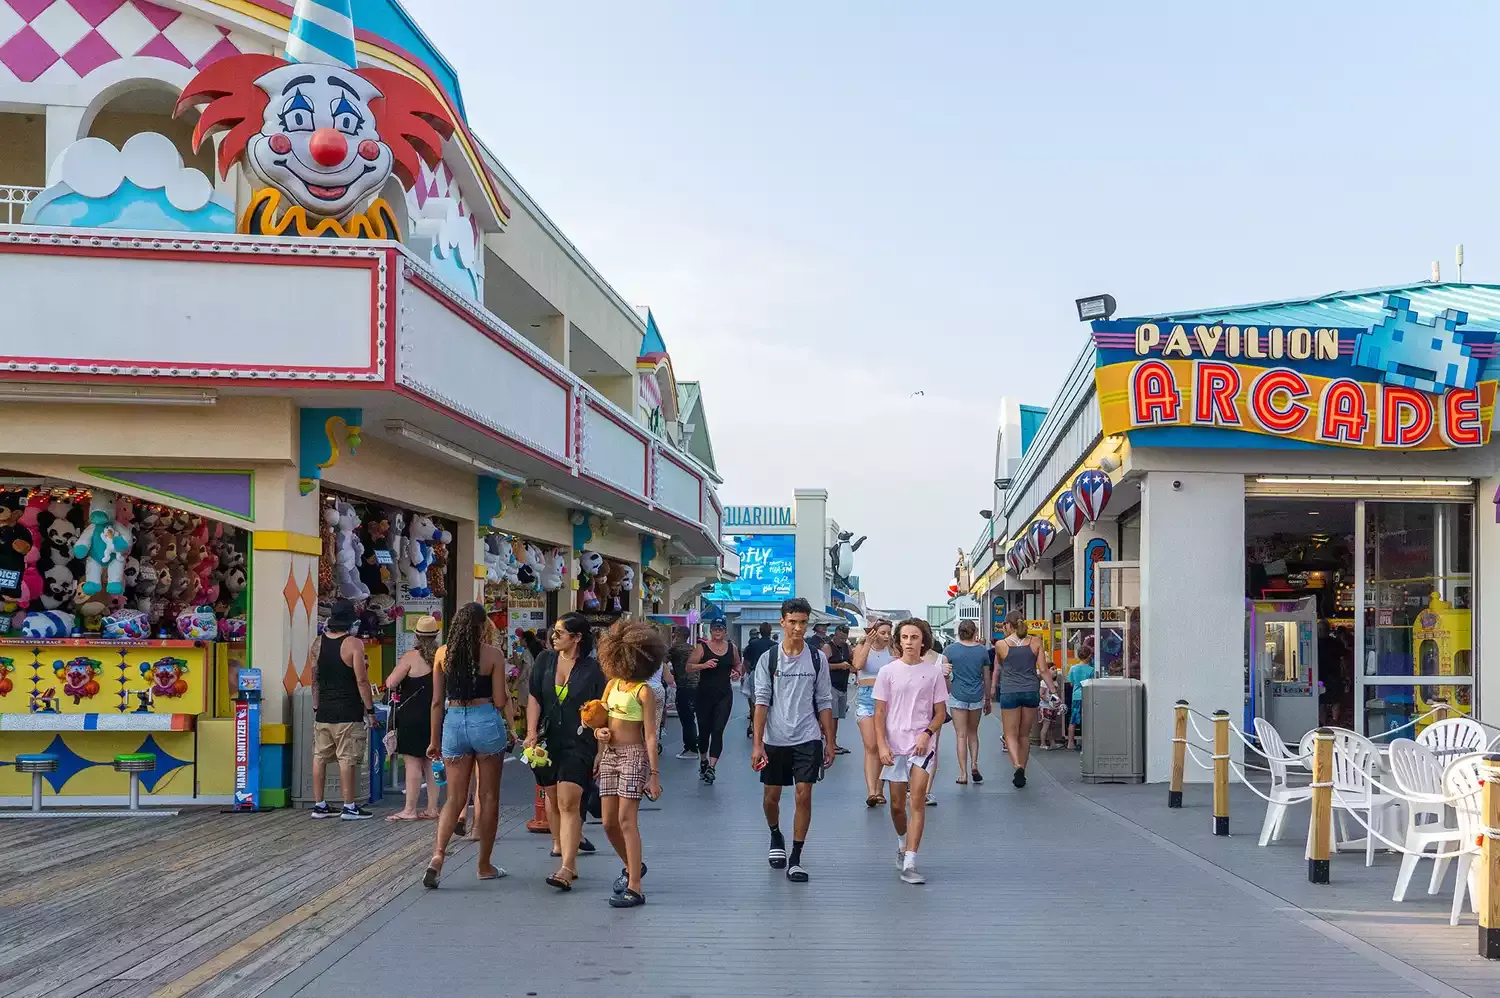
{"type": "Point", "coordinates": [328, 147]}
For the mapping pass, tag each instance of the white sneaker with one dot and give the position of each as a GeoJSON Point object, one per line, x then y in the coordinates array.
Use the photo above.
{"type": "Point", "coordinates": [685, 754]}
{"type": "Point", "coordinates": [932, 800]}
{"type": "Point", "coordinates": [909, 875]}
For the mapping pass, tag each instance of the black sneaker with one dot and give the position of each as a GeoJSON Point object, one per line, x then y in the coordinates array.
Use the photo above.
{"type": "Point", "coordinates": [702, 769]}
{"type": "Point", "coordinates": [585, 846]}
{"type": "Point", "coordinates": [320, 810]}
{"type": "Point", "coordinates": [709, 775]}
{"type": "Point", "coordinates": [353, 812]}
{"type": "Point", "coordinates": [1019, 779]}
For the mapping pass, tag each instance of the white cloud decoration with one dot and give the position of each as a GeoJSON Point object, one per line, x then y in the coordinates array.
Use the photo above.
{"type": "Point", "coordinates": [143, 185]}
{"type": "Point", "coordinates": [447, 239]}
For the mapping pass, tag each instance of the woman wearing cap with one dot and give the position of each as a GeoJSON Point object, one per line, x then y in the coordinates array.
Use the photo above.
{"type": "Point", "coordinates": [411, 681]}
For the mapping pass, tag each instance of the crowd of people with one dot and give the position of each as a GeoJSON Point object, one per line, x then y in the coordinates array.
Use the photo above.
{"type": "Point", "coordinates": [589, 719]}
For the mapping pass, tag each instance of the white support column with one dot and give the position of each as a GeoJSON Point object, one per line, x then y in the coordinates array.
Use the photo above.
{"type": "Point", "coordinates": [812, 538]}
{"type": "Point", "coordinates": [1107, 530]}
{"type": "Point", "coordinates": [1487, 613]}
{"type": "Point", "coordinates": [63, 125]}
{"type": "Point", "coordinates": [1192, 603]}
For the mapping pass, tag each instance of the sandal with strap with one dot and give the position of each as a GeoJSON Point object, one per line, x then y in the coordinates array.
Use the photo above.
{"type": "Point", "coordinates": [874, 800]}
{"type": "Point", "coordinates": [627, 899]}
{"type": "Point", "coordinates": [622, 882]}
{"type": "Point", "coordinates": [563, 883]}
{"type": "Point", "coordinates": [432, 874]}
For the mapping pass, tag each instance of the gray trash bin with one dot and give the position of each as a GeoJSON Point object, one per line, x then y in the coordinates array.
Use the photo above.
{"type": "Point", "coordinates": [1114, 731]}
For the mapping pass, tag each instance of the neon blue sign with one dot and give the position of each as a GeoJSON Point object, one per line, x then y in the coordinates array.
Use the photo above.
{"type": "Point", "coordinates": [768, 569]}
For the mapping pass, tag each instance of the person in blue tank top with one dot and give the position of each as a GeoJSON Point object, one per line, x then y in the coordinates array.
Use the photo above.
{"type": "Point", "coordinates": [1020, 672]}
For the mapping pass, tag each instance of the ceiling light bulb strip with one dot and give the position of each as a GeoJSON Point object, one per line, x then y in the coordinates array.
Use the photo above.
{"type": "Point", "coordinates": [107, 395]}
{"type": "Point", "coordinates": [642, 528]}
{"type": "Point", "coordinates": [449, 449]}
{"type": "Point", "coordinates": [1330, 480]}
{"type": "Point", "coordinates": [569, 498]}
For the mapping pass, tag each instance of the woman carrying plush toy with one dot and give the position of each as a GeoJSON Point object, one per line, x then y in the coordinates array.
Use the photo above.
{"type": "Point", "coordinates": [631, 651]}
{"type": "Point", "coordinates": [563, 680]}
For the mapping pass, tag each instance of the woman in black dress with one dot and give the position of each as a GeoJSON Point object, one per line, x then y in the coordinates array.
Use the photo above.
{"type": "Point", "coordinates": [563, 680]}
{"type": "Point", "coordinates": [411, 681]}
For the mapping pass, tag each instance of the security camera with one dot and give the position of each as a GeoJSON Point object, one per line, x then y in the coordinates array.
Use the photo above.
{"type": "Point", "coordinates": [1176, 485]}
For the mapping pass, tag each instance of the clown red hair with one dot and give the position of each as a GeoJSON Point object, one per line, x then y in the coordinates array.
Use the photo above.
{"type": "Point", "coordinates": [410, 120]}
{"type": "Point", "coordinates": [231, 102]}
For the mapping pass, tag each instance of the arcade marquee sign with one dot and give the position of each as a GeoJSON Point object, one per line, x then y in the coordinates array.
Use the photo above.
{"type": "Point", "coordinates": [1403, 383]}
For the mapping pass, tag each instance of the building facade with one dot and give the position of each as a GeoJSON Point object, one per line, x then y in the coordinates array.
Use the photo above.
{"type": "Point", "coordinates": [282, 326]}
{"type": "Point", "coordinates": [1282, 510]}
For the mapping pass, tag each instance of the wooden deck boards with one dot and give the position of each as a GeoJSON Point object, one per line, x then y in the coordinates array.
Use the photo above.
{"type": "Point", "coordinates": [204, 904]}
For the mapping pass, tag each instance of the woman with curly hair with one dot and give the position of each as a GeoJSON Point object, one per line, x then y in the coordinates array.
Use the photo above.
{"type": "Point", "coordinates": [630, 651]}
{"type": "Point", "coordinates": [469, 704]}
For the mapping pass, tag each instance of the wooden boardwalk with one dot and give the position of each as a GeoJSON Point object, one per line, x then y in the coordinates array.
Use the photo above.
{"type": "Point", "coordinates": [198, 905]}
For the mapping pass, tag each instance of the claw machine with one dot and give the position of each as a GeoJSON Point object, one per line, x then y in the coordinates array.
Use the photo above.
{"type": "Point", "coordinates": [1281, 670]}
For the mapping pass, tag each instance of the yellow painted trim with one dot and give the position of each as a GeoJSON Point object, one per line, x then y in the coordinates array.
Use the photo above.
{"type": "Point", "coordinates": [284, 540]}
{"type": "Point", "coordinates": [408, 67]}
{"type": "Point", "coordinates": [275, 734]}
{"type": "Point", "coordinates": [480, 572]}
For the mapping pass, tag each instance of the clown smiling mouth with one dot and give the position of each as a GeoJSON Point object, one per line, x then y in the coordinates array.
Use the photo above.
{"type": "Point", "coordinates": [327, 193]}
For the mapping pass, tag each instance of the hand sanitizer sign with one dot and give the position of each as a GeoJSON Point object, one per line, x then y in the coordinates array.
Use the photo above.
{"type": "Point", "coordinates": [247, 741]}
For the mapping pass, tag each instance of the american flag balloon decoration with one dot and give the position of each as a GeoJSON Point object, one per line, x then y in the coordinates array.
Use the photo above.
{"type": "Point", "coordinates": [1068, 514]}
{"type": "Point", "coordinates": [1091, 491]}
{"type": "Point", "coordinates": [1041, 534]}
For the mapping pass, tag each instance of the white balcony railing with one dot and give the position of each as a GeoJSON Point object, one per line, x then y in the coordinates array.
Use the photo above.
{"type": "Point", "coordinates": [13, 202]}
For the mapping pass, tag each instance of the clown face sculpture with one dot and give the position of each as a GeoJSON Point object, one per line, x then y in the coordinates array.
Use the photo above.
{"type": "Point", "coordinates": [318, 142]}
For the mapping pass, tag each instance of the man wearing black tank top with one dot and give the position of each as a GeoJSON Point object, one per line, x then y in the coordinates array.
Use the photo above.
{"type": "Point", "coordinates": [343, 710]}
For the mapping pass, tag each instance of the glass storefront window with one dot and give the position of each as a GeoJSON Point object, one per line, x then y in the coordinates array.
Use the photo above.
{"type": "Point", "coordinates": [1418, 619]}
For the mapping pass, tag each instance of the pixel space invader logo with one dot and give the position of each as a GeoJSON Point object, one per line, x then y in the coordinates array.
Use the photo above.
{"type": "Point", "coordinates": [1425, 354]}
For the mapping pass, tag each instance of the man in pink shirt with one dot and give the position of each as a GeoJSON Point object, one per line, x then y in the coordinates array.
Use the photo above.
{"type": "Point", "coordinates": [911, 704]}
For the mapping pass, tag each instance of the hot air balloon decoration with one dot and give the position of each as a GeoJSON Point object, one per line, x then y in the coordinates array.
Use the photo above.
{"type": "Point", "coordinates": [1091, 491]}
{"type": "Point", "coordinates": [1068, 514]}
{"type": "Point", "coordinates": [1041, 534]}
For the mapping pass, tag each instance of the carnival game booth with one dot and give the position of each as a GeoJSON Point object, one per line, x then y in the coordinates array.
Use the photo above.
{"type": "Point", "coordinates": [122, 623]}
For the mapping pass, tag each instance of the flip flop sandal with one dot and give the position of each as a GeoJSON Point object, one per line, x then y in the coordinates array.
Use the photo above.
{"type": "Point", "coordinates": [777, 858]}
{"type": "Point", "coordinates": [430, 877]}
{"type": "Point", "coordinates": [880, 799]}
{"type": "Point", "coordinates": [562, 883]}
{"type": "Point", "coordinates": [874, 801]}
{"type": "Point", "coordinates": [962, 783]}
{"type": "Point", "coordinates": [796, 874]}
{"type": "Point", "coordinates": [398, 816]}
{"type": "Point", "coordinates": [622, 882]}
{"type": "Point", "coordinates": [627, 899]}
{"type": "Point", "coordinates": [976, 776]}
{"type": "Point", "coordinates": [499, 872]}
{"type": "Point", "coordinates": [460, 828]}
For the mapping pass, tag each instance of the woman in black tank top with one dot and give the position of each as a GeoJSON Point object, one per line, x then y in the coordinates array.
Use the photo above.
{"type": "Point", "coordinates": [717, 664]}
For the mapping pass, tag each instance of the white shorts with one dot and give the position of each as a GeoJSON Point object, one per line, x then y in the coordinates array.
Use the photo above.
{"type": "Point", "coordinates": [899, 771]}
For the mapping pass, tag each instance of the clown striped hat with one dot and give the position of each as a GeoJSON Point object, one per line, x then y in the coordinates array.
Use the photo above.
{"type": "Point", "coordinates": [322, 32]}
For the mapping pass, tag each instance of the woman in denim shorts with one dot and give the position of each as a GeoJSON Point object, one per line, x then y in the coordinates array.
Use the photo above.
{"type": "Point", "coordinates": [469, 704]}
{"type": "Point", "coordinates": [872, 654]}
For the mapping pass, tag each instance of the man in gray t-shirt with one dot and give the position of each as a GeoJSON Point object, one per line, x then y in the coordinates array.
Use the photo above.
{"type": "Point", "coordinates": [793, 731]}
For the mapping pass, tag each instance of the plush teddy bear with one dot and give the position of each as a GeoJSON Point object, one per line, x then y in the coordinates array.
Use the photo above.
{"type": "Point", "coordinates": [417, 554]}
{"type": "Point", "coordinates": [58, 585]}
{"type": "Point", "coordinates": [550, 576]}
{"type": "Point", "coordinates": [525, 573]}
{"type": "Point", "coordinates": [328, 562]}
{"type": "Point", "coordinates": [31, 578]}
{"type": "Point", "coordinates": [591, 563]}
{"type": "Point", "coordinates": [372, 535]}
{"type": "Point", "coordinates": [105, 545]}
{"type": "Point", "coordinates": [437, 574]}
{"type": "Point", "coordinates": [61, 523]}
{"type": "Point", "coordinates": [494, 558]}
{"type": "Point", "coordinates": [594, 714]}
{"type": "Point", "coordinates": [350, 554]}
{"type": "Point", "coordinates": [15, 544]}
{"type": "Point", "coordinates": [615, 584]}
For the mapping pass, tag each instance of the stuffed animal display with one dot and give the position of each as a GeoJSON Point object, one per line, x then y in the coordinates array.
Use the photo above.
{"type": "Point", "coordinates": [104, 545]}
{"type": "Point", "coordinates": [552, 574]}
{"type": "Point", "coordinates": [15, 544]}
{"type": "Point", "coordinates": [351, 554]}
{"type": "Point", "coordinates": [417, 555]}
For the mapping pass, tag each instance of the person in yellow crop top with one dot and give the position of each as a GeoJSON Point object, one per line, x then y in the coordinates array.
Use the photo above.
{"type": "Point", "coordinates": [630, 652]}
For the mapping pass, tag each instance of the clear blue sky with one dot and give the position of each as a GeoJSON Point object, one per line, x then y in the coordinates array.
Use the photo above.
{"type": "Point", "coordinates": [831, 205]}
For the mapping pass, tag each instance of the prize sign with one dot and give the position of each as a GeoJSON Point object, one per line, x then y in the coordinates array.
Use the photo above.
{"type": "Point", "coordinates": [1404, 383]}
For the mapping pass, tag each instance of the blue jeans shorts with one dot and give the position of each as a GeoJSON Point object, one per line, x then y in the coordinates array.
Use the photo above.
{"type": "Point", "coordinates": [956, 704]}
{"type": "Point", "coordinates": [864, 702]}
{"type": "Point", "coordinates": [1011, 701]}
{"type": "Point", "coordinates": [473, 731]}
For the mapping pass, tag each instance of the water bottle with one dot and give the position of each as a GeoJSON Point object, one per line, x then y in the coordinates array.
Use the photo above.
{"type": "Point", "coordinates": [439, 773]}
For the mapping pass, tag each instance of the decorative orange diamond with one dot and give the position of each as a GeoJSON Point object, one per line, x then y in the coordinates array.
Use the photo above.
{"type": "Point", "coordinates": [290, 679]}
{"type": "Point", "coordinates": [310, 595]}
{"type": "Point", "coordinates": [290, 593]}
{"type": "Point", "coordinates": [307, 669]}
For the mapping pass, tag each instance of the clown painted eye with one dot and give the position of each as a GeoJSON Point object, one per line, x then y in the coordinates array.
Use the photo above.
{"type": "Point", "coordinates": [346, 117]}
{"type": "Point", "coordinates": [297, 116]}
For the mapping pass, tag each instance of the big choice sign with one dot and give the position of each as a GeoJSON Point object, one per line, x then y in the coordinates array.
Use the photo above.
{"type": "Point", "coordinates": [1404, 383]}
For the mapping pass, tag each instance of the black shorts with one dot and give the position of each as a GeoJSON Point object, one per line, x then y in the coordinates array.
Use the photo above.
{"type": "Point", "coordinates": [789, 764]}
{"type": "Point", "coordinates": [568, 766]}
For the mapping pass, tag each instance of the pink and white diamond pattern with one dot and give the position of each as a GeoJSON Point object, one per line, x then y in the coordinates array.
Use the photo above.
{"type": "Point", "coordinates": [438, 183]}
{"type": "Point", "coordinates": [62, 41]}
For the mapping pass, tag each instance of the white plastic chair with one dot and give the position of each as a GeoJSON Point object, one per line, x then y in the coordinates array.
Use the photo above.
{"type": "Point", "coordinates": [1453, 737]}
{"type": "Point", "coordinates": [1282, 793]}
{"type": "Point", "coordinates": [1355, 760]}
{"type": "Point", "coordinates": [1462, 777]}
{"type": "Point", "coordinates": [1418, 774]}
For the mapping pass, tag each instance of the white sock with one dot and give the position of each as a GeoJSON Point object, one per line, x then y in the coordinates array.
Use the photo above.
{"type": "Point", "coordinates": [321, 803]}
{"type": "Point", "coordinates": [911, 858]}
{"type": "Point", "coordinates": [901, 842]}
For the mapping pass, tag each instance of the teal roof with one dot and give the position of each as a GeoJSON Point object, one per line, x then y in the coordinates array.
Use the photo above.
{"type": "Point", "coordinates": [389, 20]}
{"type": "Point", "coordinates": [652, 342]}
{"type": "Point", "coordinates": [1349, 309]}
{"type": "Point", "coordinates": [1031, 421]}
